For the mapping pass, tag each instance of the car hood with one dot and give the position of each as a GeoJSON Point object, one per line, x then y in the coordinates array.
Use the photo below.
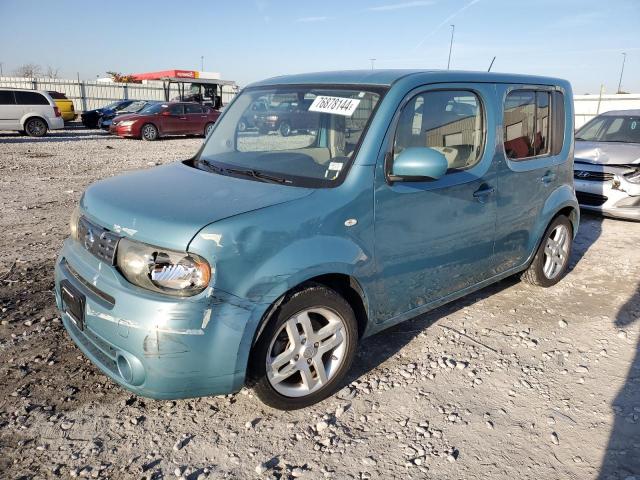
{"type": "Point", "coordinates": [607, 153]}
{"type": "Point", "coordinates": [124, 116]}
{"type": "Point", "coordinates": [168, 205]}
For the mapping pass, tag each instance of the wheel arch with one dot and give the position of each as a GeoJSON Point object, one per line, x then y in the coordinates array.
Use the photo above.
{"type": "Point", "coordinates": [32, 115]}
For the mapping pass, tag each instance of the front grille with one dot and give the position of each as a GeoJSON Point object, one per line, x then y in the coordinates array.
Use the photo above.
{"type": "Point", "coordinates": [97, 240]}
{"type": "Point", "coordinates": [108, 300]}
{"type": "Point", "coordinates": [590, 199]}
{"type": "Point", "coordinates": [592, 176]}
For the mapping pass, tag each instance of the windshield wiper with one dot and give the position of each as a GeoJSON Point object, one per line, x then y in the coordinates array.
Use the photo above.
{"type": "Point", "coordinates": [211, 166]}
{"type": "Point", "coordinates": [265, 177]}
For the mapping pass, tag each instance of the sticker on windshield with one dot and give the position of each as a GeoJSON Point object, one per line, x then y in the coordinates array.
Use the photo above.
{"type": "Point", "coordinates": [335, 166]}
{"type": "Point", "coordinates": [334, 105]}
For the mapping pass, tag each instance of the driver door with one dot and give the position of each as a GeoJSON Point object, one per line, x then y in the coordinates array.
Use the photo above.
{"type": "Point", "coordinates": [435, 238]}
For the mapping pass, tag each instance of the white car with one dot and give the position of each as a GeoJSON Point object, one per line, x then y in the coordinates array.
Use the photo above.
{"type": "Point", "coordinates": [30, 111]}
{"type": "Point", "coordinates": [607, 164]}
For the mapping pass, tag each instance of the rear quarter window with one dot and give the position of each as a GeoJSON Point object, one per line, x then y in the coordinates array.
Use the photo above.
{"type": "Point", "coordinates": [6, 97]}
{"type": "Point", "coordinates": [30, 98]}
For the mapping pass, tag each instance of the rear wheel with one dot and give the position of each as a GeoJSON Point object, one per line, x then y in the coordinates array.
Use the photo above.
{"type": "Point", "coordinates": [208, 129]}
{"type": "Point", "coordinates": [149, 132]}
{"type": "Point", "coordinates": [551, 262]}
{"type": "Point", "coordinates": [285, 129]}
{"type": "Point", "coordinates": [35, 127]}
{"type": "Point", "coordinates": [306, 349]}
{"type": "Point", "coordinates": [242, 126]}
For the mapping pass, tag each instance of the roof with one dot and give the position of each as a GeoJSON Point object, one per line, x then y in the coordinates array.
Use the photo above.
{"type": "Point", "coordinates": [631, 113]}
{"type": "Point", "coordinates": [388, 77]}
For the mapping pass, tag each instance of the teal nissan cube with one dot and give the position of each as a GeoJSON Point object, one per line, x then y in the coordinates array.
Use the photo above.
{"type": "Point", "coordinates": [265, 258]}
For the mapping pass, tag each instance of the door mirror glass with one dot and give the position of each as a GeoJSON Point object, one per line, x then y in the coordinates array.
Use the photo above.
{"type": "Point", "coordinates": [419, 164]}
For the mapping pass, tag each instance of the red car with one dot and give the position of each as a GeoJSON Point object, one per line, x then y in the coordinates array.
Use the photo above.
{"type": "Point", "coordinates": [164, 119]}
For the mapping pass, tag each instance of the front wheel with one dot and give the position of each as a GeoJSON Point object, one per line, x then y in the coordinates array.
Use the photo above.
{"type": "Point", "coordinates": [551, 262]}
{"type": "Point", "coordinates": [35, 127]}
{"type": "Point", "coordinates": [306, 349]}
{"type": "Point", "coordinates": [285, 129]}
{"type": "Point", "coordinates": [149, 132]}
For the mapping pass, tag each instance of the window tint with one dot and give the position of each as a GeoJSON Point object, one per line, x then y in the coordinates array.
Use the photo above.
{"type": "Point", "coordinates": [533, 123]}
{"type": "Point", "coordinates": [30, 98]}
{"type": "Point", "coordinates": [193, 108]}
{"type": "Point", "coordinates": [450, 122]}
{"type": "Point", "coordinates": [176, 109]}
{"type": "Point", "coordinates": [557, 118]}
{"type": "Point", "coordinates": [6, 97]}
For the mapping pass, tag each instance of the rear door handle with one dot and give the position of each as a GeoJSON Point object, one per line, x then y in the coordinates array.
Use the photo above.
{"type": "Point", "coordinates": [548, 177]}
{"type": "Point", "coordinates": [483, 192]}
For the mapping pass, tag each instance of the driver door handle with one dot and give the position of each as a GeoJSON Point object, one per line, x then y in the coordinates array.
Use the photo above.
{"type": "Point", "coordinates": [548, 177]}
{"type": "Point", "coordinates": [483, 192]}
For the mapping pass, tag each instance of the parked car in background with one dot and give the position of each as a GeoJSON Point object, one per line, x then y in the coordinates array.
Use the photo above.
{"type": "Point", "coordinates": [30, 111]}
{"type": "Point", "coordinates": [166, 119]}
{"type": "Point", "coordinates": [248, 120]}
{"type": "Point", "coordinates": [607, 164]}
{"type": "Point", "coordinates": [138, 106]}
{"type": "Point", "coordinates": [65, 105]}
{"type": "Point", "coordinates": [263, 261]}
{"type": "Point", "coordinates": [90, 117]}
{"type": "Point", "coordinates": [286, 117]}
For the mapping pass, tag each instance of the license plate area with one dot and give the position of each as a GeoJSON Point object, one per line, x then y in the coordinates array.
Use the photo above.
{"type": "Point", "coordinates": [73, 303]}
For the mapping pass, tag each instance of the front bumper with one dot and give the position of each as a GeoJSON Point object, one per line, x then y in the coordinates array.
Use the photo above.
{"type": "Point", "coordinates": [153, 345]}
{"type": "Point", "coordinates": [601, 197]}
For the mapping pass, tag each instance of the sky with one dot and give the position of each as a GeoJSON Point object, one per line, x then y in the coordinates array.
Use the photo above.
{"type": "Point", "coordinates": [580, 40]}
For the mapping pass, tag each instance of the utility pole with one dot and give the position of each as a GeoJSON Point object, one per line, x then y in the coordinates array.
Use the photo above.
{"type": "Point", "coordinates": [202, 63]}
{"type": "Point", "coordinates": [624, 58]}
{"type": "Point", "coordinates": [1, 75]}
{"type": "Point", "coordinates": [453, 29]}
{"type": "Point", "coordinates": [372, 62]}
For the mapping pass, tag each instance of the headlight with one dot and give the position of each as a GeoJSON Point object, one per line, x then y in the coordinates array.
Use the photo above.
{"type": "Point", "coordinates": [272, 118]}
{"type": "Point", "coordinates": [633, 177]}
{"type": "Point", "coordinates": [73, 223]}
{"type": "Point", "coordinates": [161, 270]}
{"type": "Point", "coordinates": [127, 123]}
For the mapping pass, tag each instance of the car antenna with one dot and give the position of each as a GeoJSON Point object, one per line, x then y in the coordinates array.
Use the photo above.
{"type": "Point", "coordinates": [491, 64]}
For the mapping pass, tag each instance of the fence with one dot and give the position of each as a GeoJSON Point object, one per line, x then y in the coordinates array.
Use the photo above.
{"type": "Point", "coordinates": [92, 94]}
{"type": "Point", "coordinates": [588, 106]}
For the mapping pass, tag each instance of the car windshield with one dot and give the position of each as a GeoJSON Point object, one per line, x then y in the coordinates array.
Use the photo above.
{"type": "Point", "coordinates": [299, 135]}
{"type": "Point", "coordinates": [134, 107]}
{"type": "Point", "coordinates": [611, 128]}
{"type": "Point", "coordinates": [153, 108]}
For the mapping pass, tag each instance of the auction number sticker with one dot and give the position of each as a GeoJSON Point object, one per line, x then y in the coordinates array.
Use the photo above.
{"type": "Point", "coordinates": [334, 105]}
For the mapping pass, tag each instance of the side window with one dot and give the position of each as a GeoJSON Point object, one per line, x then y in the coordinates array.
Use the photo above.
{"type": "Point", "coordinates": [193, 108]}
{"type": "Point", "coordinates": [533, 123]}
{"type": "Point", "coordinates": [176, 109]}
{"type": "Point", "coordinates": [30, 98]}
{"type": "Point", "coordinates": [449, 121]}
{"type": "Point", "coordinates": [6, 97]}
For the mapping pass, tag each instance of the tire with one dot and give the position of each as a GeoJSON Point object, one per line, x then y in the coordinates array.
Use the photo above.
{"type": "Point", "coordinates": [551, 261]}
{"type": "Point", "coordinates": [207, 129]}
{"type": "Point", "coordinates": [285, 368]}
{"type": "Point", "coordinates": [149, 132]}
{"type": "Point", "coordinates": [284, 128]}
{"type": "Point", "coordinates": [242, 126]}
{"type": "Point", "coordinates": [35, 127]}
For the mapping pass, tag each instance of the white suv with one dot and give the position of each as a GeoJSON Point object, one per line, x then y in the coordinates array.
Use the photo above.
{"type": "Point", "coordinates": [30, 111]}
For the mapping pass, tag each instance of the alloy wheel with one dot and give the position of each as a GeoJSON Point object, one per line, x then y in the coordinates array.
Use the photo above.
{"type": "Point", "coordinates": [306, 352]}
{"type": "Point", "coordinates": [556, 252]}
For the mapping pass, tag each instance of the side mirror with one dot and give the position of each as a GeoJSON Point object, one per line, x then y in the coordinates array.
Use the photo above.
{"type": "Point", "coordinates": [418, 164]}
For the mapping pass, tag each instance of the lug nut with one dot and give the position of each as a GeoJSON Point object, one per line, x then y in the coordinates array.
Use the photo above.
{"type": "Point", "coordinates": [316, 344]}
{"type": "Point", "coordinates": [309, 361]}
{"type": "Point", "coordinates": [303, 341]}
{"type": "Point", "coordinates": [296, 357]}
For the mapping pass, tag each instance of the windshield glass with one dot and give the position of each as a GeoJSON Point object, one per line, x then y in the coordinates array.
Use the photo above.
{"type": "Point", "coordinates": [611, 128]}
{"type": "Point", "coordinates": [134, 107]}
{"type": "Point", "coordinates": [302, 135]}
{"type": "Point", "coordinates": [153, 108]}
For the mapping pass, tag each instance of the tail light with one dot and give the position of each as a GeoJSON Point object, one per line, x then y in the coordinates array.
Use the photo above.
{"type": "Point", "coordinates": [56, 110]}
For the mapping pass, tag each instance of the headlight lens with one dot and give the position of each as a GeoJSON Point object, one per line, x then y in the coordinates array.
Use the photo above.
{"type": "Point", "coordinates": [161, 270]}
{"type": "Point", "coordinates": [73, 223]}
{"type": "Point", "coordinates": [633, 177]}
{"type": "Point", "coordinates": [127, 123]}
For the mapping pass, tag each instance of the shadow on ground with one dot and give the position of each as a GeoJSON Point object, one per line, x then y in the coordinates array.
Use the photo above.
{"type": "Point", "coordinates": [622, 457]}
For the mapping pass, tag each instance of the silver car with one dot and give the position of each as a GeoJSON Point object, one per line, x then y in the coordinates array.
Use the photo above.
{"type": "Point", "coordinates": [607, 164]}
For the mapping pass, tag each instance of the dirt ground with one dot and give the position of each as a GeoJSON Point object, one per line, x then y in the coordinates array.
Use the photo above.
{"type": "Point", "coordinates": [512, 382]}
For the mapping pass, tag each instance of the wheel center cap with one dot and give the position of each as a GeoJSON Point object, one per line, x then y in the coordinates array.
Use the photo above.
{"type": "Point", "coordinates": [308, 351]}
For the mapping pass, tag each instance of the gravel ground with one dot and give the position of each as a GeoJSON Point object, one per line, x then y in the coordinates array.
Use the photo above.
{"type": "Point", "coordinates": [512, 382]}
